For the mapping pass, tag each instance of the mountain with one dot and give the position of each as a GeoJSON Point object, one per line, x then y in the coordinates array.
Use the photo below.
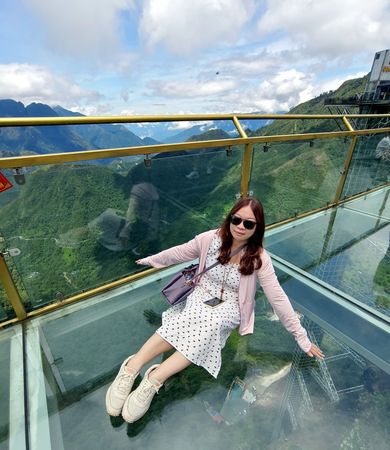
{"type": "Point", "coordinates": [210, 135]}
{"type": "Point", "coordinates": [206, 136]}
{"type": "Point", "coordinates": [182, 136]}
{"type": "Point", "coordinates": [167, 132]}
{"type": "Point", "coordinates": [149, 141]}
{"type": "Point", "coordinates": [58, 138]}
{"type": "Point", "coordinates": [45, 139]}
{"type": "Point", "coordinates": [102, 136]}
{"type": "Point", "coordinates": [226, 125]}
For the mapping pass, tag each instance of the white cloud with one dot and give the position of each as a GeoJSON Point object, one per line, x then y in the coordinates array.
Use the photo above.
{"type": "Point", "coordinates": [192, 88]}
{"type": "Point", "coordinates": [184, 125]}
{"type": "Point", "coordinates": [278, 93]}
{"type": "Point", "coordinates": [29, 83]}
{"type": "Point", "coordinates": [334, 83]}
{"type": "Point", "coordinates": [185, 26]}
{"type": "Point", "coordinates": [330, 28]}
{"type": "Point", "coordinates": [84, 28]}
{"type": "Point", "coordinates": [254, 64]}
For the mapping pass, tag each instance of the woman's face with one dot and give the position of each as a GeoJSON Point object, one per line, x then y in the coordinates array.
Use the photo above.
{"type": "Point", "coordinates": [239, 232]}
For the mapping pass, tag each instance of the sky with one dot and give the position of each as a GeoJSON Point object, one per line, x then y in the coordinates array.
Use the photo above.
{"type": "Point", "coordinates": [131, 57]}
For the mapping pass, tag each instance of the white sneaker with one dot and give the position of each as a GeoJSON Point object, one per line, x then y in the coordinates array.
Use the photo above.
{"type": "Point", "coordinates": [138, 402]}
{"type": "Point", "coordinates": [119, 390]}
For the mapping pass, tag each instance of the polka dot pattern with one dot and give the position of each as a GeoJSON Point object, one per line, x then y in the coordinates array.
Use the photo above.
{"type": "Point", "coordinates": [199, 331]}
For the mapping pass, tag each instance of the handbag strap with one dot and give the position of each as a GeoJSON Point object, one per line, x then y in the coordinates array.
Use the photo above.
{"type": "Point", "coordinates": [237, 250]}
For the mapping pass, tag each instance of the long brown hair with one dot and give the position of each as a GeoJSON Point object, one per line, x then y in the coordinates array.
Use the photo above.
{"type": "Point", "coordinates": [251, 259]}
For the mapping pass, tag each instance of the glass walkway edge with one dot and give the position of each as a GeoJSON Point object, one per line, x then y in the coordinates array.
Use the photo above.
{"type": "Point", "coordinates": [56, 369]}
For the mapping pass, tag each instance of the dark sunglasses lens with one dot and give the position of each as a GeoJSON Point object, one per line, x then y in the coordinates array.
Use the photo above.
{"type": "Point", "coordinates": [235, 220]}
{"type": "Point", "coordinates": [249, 225]}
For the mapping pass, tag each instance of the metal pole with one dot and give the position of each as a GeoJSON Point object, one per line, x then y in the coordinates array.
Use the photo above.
{"type": "Point", "coordinates": [246, 170]}
{"type": "Point", "coordinates": [345, 170]}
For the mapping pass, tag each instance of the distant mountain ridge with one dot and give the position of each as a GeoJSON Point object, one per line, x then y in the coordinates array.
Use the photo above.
{"type": "Point", "coordinates": [58, 138]}
{"type": "Point", "coordinates": [52, 139]}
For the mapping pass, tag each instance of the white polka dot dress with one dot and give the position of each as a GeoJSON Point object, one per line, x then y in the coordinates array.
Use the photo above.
{"type": "Point", "coordinates": [199, 331]}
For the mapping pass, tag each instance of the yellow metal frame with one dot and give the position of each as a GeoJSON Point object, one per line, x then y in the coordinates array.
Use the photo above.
{"type": "Point", "coordinates": [87, 155]}
{"type": "Point", "coordinates": [344, 173]}
{"type": "Point", "coordinates": [248, 142]}
{"type": "Point", "coordinates": [77, 120]}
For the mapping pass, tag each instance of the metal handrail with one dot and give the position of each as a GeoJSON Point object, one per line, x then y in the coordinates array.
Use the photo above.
{"type": "Point", "coordinates": [77, 120]}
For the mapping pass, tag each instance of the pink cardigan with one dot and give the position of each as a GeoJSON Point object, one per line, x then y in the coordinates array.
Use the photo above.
{"type": "Point", "coordinates": [198, 247]}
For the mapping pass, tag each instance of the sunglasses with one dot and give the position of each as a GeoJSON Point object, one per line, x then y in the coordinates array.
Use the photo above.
{"type": "Point", "coordinates": [248, 224]}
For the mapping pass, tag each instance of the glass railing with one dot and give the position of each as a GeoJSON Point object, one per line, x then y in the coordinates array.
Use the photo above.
{"type": "Point", "coordinates": [347, 248]}
{"type": "Point", "coordinates": [73, 225]}
{"type": "Point", "coordinates": [370, 164]}
{"type": "Point", "coordinates": [83, 232]}
{"type": "Point", "coordinates": [294, 177]}
{"type": "Point", "coordinates": [12, 399]}
{"type": "Point", "coordinates": [91, 222]}
{"type": "Point", "coordinates": [268, 395]}
{"type": "Point", "coordinates": [4, 388]}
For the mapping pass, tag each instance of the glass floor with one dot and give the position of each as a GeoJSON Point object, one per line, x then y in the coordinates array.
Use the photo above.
{"type": "Point", "coordinates": [269, 395]}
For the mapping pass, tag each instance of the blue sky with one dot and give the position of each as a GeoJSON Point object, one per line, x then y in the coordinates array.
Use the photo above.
{"type": "Point", "coordinates": [113, 57]}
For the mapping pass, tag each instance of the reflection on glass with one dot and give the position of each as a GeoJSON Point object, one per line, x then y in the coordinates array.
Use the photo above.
{"type": "Point", "coordinates": [6, 310]}
{"type": "Point", "coordinates": [12, 424]}
{"type": "Point", "coordinates": [267, 391]}
{"type": "Point", "coordinates": [294, 177]}
{"type": "Point", "coordinates": [345, 248]}
{"type": "Point", "coordinates": [80, 226]}
{"type": "Point", "coordinates": [343, 396]}
{"type": "Point", "coordinates": [376, 203]}
{"type": "Point", "coordinates": [4, 389]}
{"type": "Point", "coordinates": [370, 164]}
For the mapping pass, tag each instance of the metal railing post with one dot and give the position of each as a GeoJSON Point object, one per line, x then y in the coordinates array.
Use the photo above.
{"type": "Point", "coordinates": [345, 170]}
{"type": "Point", "coordinates": [246, 161]}
{"type": "Point", "coordinates": [246, 170]}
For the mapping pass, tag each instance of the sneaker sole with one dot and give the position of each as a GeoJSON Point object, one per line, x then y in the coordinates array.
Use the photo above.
{"type": "Point", "coordinates": [127, 418]}
{"type": "Point", "coordinates": [111, 411]}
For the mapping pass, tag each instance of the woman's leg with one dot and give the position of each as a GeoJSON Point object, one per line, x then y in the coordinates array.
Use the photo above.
{"type": "Point", "coordinates": [174, 364]}
{"type": "Point", "coordinates": [153, 347]}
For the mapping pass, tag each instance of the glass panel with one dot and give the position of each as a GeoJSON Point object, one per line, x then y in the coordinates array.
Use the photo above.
{"type": "Point", "coordinates": [293, 177]}
{"type": "Point", "coordinates": [370, 164]}
{"type": "Point", "coordinates": [6, 310]}
{"type": "Point", "coordinates": [297, 126]}
{"type": "Point", "coordinates": [376, 203]}
{"type": "Point", "coordinates": [331, 247]}
{"type": "Point", "coordinates": [265, 389]}
{"type": "Point", "coordinates": [82, 225]}
{"type": "Point", "coordinates": [4, 388]}
{"type": "Point", "coordinates": [182, 131]}
{"type": "Point", "coordinates": [11, 390]}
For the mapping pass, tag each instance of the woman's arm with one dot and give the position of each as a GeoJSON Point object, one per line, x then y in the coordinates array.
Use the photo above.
{"type": "Point", "coordinates": [174, 255]}
{"type": "Point", "coordinates": [282, 306]}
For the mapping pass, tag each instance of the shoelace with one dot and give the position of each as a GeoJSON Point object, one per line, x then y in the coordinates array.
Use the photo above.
{"type": "Point", "coordinates": [124, 382]}
{"type": "Point", "coordinates": [146, 390]}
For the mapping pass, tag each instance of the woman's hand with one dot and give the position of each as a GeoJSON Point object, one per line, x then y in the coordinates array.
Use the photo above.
{"type": "Point", "coordinates": [142, 262]}
{"type": "Point", "coordinates": [315, 351]}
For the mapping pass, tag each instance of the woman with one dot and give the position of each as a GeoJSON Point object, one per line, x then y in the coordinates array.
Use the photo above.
{"type": "Point", "coordinates": [196, 329]}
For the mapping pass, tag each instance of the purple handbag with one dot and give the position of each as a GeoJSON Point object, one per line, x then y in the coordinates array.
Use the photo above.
{"type": "Point", "coordinates": [183, 283]}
